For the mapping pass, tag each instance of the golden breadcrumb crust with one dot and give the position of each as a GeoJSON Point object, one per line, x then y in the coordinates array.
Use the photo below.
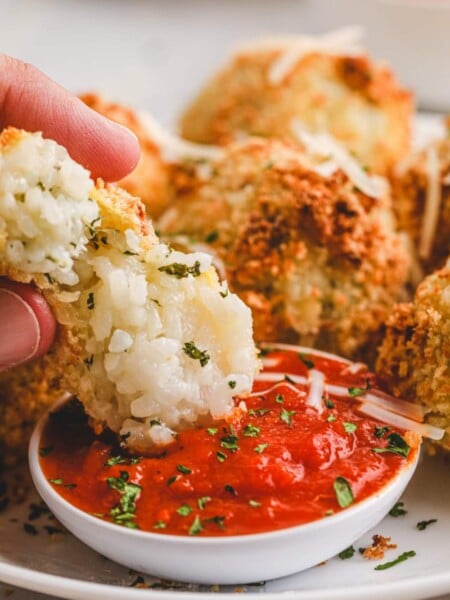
{"type": "Point", "coordinates": [357, 101]}
{"type": "Point", "coordinates": [313, 257]}
{"type": "Point", "coordinates": [414, 358]}
{"type": "Point", "coordinates": [148, 181]}
{"type": "Point", "coordinates": [410, 192]}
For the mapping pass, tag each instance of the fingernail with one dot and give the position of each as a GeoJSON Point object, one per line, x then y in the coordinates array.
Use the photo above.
{"type": "Point", "coordinates": [19, 330]}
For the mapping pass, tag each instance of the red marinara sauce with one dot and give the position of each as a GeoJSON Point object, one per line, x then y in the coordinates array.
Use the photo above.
{"type": "Point", "coordinates": [279, 463]}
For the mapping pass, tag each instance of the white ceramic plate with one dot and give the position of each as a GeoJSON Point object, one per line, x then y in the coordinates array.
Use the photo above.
{"type": "Point", "coordinates": [62, 566]}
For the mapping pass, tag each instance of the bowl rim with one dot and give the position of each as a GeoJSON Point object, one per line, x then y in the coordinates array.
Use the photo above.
{"type": "Point", "coordinates": [406, 471]}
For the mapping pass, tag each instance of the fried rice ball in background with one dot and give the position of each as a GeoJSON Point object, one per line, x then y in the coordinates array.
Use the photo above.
{"type": "Point", "coordinates": [421, 188]}
{"type": "Point", "coordinates": [148, 181]}
{"type": "Point", "coordinates": [327, 83]}
{"type": "Point", "coordinates": [317, 260]}
{"type": "Point", "coordinates": [413, 361]}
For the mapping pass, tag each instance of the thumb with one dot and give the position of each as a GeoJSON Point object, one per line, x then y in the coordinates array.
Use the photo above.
{"type": "Point", "coordinates": [27, 326]}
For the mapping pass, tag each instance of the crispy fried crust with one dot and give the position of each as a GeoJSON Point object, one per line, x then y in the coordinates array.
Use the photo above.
{"type": "Point", "coordinates": [414, 356]}
{"type": "Point", "coordinates": [358, 102]}
{"type": "Point", "coordinates": [410, 193]}
{"type": "Point", "coordinates": [148, 181]}
{"type": "Point", "coordinates": [313, 257]}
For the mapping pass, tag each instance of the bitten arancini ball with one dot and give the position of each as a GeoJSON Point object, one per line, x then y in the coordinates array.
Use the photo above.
{"type": "Point", "coordinates": [263, 89]}
{"type": "Point", "coordinates": [413, 361]}
{"type": "Point", "coordinates": [148, 181]}
{"type": "Point", "coordinates": [317, 260]}
{"type": "Point", "coordinates": [421, 189]}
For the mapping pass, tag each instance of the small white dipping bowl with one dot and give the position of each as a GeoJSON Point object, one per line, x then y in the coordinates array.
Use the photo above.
{"type": "Point", "coordinates": [220, 560]}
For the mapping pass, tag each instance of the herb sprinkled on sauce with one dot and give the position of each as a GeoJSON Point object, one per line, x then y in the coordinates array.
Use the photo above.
{"type": "Point", "coordinates": [398, 560]}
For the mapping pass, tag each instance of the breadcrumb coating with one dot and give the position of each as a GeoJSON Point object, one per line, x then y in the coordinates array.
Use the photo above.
{"type": "Point", "coordinates": [317, 260]}
{"type": "Point", "coordinates": [148, 181]}
{"type": "Point", "coordinates": [413, 360]}
{"type": "Point", "coordinates": [411, 182]}
{"type": "Point", "coordinates": [359, 102]}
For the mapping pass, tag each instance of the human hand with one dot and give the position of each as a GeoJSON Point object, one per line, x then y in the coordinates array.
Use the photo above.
{"type": "Point", "coordinates": [31, 101]}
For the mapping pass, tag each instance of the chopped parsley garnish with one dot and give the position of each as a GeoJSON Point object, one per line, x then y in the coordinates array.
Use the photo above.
{"type": "Point", "coordinates": [259, 449]}
{"type": "Point", "coordinates": [380, 432]}
{"type": "Point", "coordinates": [202, 502]}
{"type": "Point", "coordinates": [347, 553]}
{"type": "Point", "coordinates": [328, 402]}
{"type": "Point", "coordinates": [279, 398]}
{"type": "Point", "coordinates": [43, 452]}
{"type": "Point", "coordinates": [183, 469]}
{"type": "Point", "coordinates": [90, 301]}
{"type": "Point", "coordinates": [196, 526]}
{"type": "Point", "coordinates": [251, 430]}
{"type": "Point", "coordinates": [264, 352]}
{"type": "Point", "coordinates": [128, 252]}
{"type": "Point", "coordinates": [211, 237]}
{"type": "Point", "coordinates": [289, 379]}
{"type": "Point", "coordinates": [343, 491]}
{"type": "Point", "coordinates": [120, 460]}
{"type": "Point", "coordinates": [230, 489]}
{"type": "Point", "coordinates": [259, 412]}
{"type": "Point", "coordinates": [218, 520]}
{"type": "Point", "coordinates": [154, 422]}
{"type": "Point", "coordinates": [60, 481]}
{"type": "Point", "coordinates": [184, 510]}
{"type": "Point", "coordinates": [396, 444]}
{"type": "Point", "coordinates": [195, 353]}
{"type": "Point", "coordinates": [212, 430]}
{"type": "Point", "coordinates": [229, 442]}
{"type": "Point", "coordinates": [221, 456]}
{"type": "Point", "coordinates": [306, 361]}
{"type": "Point", "coordinates": [225, 293]}
{"type": "Point", "coordinates": [232, 384]}
{"type": "Point", "coordinates": [421, 525]}
{"type": "Point", "coordinates": [159, 525]}
{"type": "Point", "coordinates": [88, 361]}
{"type": "Point", "coordinates": [254, 503]}
{"type": "Point", "coordinates": [398, 510]}
{"type": "Point", "coordinates": [331, 418]}
{"type": "Point", "coordinates": [124, 512]}
{"type": "Point", "coordinates": [180, 270]}
{"type": "Point", "coordinates": [349, 427]}
{"type": "Point", "coordinates": [286, 415]}
{"type": "Point", "coordinates": [398, 560]}
{"type": "Point", "coordinates": [171, 480]}
{"type": "Point", "coordinates": [354, 392]}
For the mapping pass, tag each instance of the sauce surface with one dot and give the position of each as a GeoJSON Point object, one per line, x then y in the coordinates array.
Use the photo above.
{"type": "Point", "coordinates": [280, 463]}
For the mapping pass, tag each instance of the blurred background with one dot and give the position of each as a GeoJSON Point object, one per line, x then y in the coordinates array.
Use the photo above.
{"type": "Point", "coordinates": [154, 54]}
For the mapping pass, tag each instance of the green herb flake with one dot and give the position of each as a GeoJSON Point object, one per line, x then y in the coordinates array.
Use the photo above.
{"type": "Point", "coordinates": [349, 427]}
{"type": "Point", "coordinates": [44, 451]}
{"type": "Point", "coordinates": [184, 510]}
{"type": "Point", "coordinates": [212, 430]}
{"type": "Point", "coordinates": [124, 512]}
{"type": "Point", "coordinates": [279, 398]}
{"type": "Point", "coordinates": [328, 402]}
{"type": "Point", "coordinates": [196, 527]}
{"type": "Point", "coordinates": [171, 480]}
{"type": "Point", "coordinates": [347, 553]}
{"type": "Point", "coordinates": [195, 353]}
{"type": "Point", "coordinates": [232, 384]}
{"type": "Point", "coordinates": [212, 237]}
{"type": "Point", "coordinates": [229, 442]}
{"type": "Point", "coordinates": [398, 560]}
{"type": "Point", "coordinates": [398, 510]}
{"type": "Point", "coordinates": [289, 379]}
{"type": "Point", "coordinates": [225, 293]}
{"type": "Point", "coordinates": [396, 445]}
{"type": "Point", "coordinates": [286, 416]}
{"type": "Point", "coordinates": [251, 430]}
{"type": "Point", "coordinates": [115, 460]}
{"type": "Point", "coordinates": [183, 469]}
{"type": "Point", "coordinates": [159, 525]}
{"type": "Point", "coordinates": [259, 412]}
{"type": "Point", "coordinates": [59, 481]}
{"type": "Point", "coordinates": [221, 456]}
{"type": "Point", "coordinates": [254, 503]}
{"type": "Point", "coordinates": [306, 361]}
{"type": "Point", "coordinates": [203, 501]}
{"type": "Point", "coordinates": [259, 449]}
{"type": "Point", "coordinates": [343, 491]}
{"type": "Point", "coordinates": [354, 392]}
{"type": "Point", "coordinates": [421, 525]}
{"type": "Point", "coordinates": [380, 432]}
{"type": "Point", "coordinates": [230, 489]}
{"type": "Point", "coordinates": [218, 520]}
{"type": "Point", "coordinates": [90, 301]}
{"type": "Point", "coordinates": [180, 270]}
{"type": "Point", "coordinates": [331, 418]}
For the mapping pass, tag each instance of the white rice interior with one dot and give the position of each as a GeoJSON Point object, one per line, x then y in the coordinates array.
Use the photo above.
{"type": "Point", "coordinates": [165, 343]}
